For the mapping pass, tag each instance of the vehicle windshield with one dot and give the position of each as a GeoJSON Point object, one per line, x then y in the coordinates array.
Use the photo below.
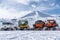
{"type": "Point", "coordinates": [7, 23]}
{"type": "Point", "coordinates": [22, 22]}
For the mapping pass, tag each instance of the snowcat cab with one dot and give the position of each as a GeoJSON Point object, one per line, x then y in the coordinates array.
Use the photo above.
{"type": "Point", "coordinates": [23, 24]}
{"type": "Point", "coordinates": [50, 24]}
{"type": "Point", "coordinates": [7, 26]}
{"type": "Point", "coordinates": [39, 24]}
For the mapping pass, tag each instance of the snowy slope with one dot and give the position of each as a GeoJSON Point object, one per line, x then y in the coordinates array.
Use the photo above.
{"type": "Point", "coordinates": [30, 35]}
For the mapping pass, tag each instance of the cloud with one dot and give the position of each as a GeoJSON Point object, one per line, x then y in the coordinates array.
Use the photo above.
{"type": "Point", "coordinates": [19, 8]}
{"type": "Point", "coordinates": [7, 14]}
{"type": "Point", "coordinates": [12, 9]}
{"type": "Point", "coordinates": [52, 4]}
{"type": "Point", "coordinates": [21, 1]}
{"type": "Point", "coordinates": [45, 0]}
{"type": "Point", "coordinates": [54, 15]}
{"type": "Point", "coordinates": [14, 5]}
{"type": "Point", "coordinates": [57, 5]}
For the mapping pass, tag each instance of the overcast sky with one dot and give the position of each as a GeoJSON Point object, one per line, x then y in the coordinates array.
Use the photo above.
{"type": "Point", "coordinates": [19, 8]}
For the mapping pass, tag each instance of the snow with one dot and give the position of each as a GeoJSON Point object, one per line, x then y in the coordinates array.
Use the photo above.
{"type": "Point", "coordinates": [32, 35]}
{"type": "Point", "coordinates": [29, 35]}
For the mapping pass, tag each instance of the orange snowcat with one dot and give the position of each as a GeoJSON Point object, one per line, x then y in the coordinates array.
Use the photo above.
{"type": "Point", "coordinates": [39, 24]}
{"type": "Point", "coordinates": [50, 24]}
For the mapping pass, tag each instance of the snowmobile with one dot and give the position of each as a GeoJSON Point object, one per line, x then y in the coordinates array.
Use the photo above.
{"type": "Point", "coordinates": [51, 24]}
{"type": "Point", "coordinates": [23, 24]}
{"type": "Point", "coordinates": [39, 24]}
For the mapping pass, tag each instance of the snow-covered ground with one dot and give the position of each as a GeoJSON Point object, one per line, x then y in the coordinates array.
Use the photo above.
{"type": "Point", "coordinates": [32, 35]}
{"type": "Point", "coordinates": [29, 35]}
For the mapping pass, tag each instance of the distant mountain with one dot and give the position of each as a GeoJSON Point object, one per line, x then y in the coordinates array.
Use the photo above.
{"type": "Point", "coordinates": [43, 14]}
{"type": "Point", "coordinates": [40, 14]}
